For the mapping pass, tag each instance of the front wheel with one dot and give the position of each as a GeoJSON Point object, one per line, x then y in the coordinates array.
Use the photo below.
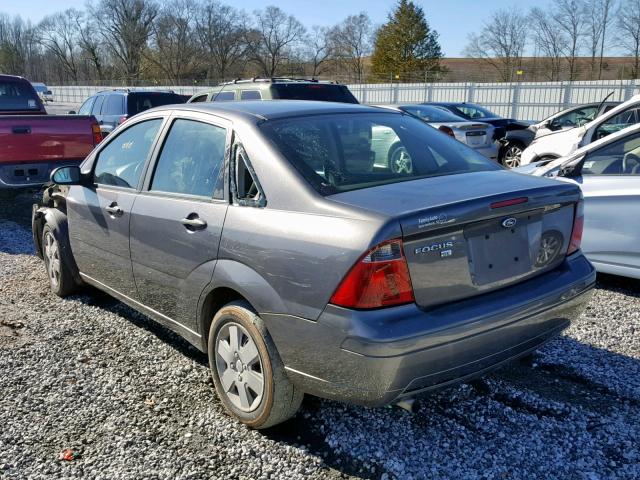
{"type": "Point", "coordinates": [511, 155]}
{"type": "Point", "coordinates": [60, 277]}
{"type": "Point", "coordinates": [247, 371]}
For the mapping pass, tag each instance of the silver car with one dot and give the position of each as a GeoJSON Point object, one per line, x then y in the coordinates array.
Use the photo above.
{"type": "Point", "coordinates": [476, 135]}
{"type": "Point", "coordinates": [608, 171]}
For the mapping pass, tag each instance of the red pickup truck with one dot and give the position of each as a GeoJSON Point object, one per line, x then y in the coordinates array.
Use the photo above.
{"type": "Point", "coordinates": [33, 143]}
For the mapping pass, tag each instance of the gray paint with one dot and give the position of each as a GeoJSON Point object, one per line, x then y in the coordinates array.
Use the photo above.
{"type": "Point", "coordinates": [287, 258]}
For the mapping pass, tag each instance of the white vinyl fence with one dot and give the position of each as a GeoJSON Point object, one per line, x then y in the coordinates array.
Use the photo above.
{"type": "Point", "coordinates": [524, 101]}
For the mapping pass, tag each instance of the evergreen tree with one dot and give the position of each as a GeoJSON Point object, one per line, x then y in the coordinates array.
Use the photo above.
{"type": "Point", "coordinates": [405, 46]}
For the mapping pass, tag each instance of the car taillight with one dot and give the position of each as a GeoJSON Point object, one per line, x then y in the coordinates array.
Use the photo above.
{"type": "Point", "coordinates": [578, 227]}
{"type": "Point", "coordinates": [97, 134]}
{"type": "Point", "coordinates": [447, 130]}
{"type": "Point", "coordinates": [379, 279]}
{"type": "Point", "coordinates": [121, 120]}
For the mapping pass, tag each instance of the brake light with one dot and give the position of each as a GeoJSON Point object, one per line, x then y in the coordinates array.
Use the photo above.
{"type": "Point", "coordinates": [578, 227]}
{"type": "Point", "coordinates": [97, 134]}
{"type": "Point", "coordinates": [447, 130]}
{"type": "Point", "coordinates": [379, 279]}
{"type": "Point", "coordinates": [121, 120]}
{"type": "Point", "coordinates": [508, 203]}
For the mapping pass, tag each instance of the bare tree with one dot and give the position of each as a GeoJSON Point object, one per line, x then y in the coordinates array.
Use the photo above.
{"type": "Point", "coordinates": [274, 36]}
{"type": "Point", "coordinates": [318, 49]}
{"type": "Point", "coordinates": [598, 21]}
{"type": "Point", "coordinates": [125, 26]}
{"type": "Point", "coordinates": [570, 19]}
{"type": "Point", "coordinates": [91, 46]}
{"type": "Point", "coordinates": [221, 35]}
{"type": "Point", "coordinates": [501, 42]}
{"type": "Point", "coordinates": [60, 34]}
{"type": "Point", "coordinates": [549, 40]}
{"type": "Point", "coordinates": [174, 49]}
{"type": "Point", "coordinates": [351, 43]}
{"type": "Point", "coordinates": [629, 32]}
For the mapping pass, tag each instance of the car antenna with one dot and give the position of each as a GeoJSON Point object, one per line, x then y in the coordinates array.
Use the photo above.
{"type": "Point", "coordinates": [604, 100]}
{"type": "Point", "coordinates": [225, 86]}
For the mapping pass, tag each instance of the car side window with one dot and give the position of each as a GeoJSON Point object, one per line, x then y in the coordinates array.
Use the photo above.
{"type": "Point", "coordinates": [192, 159]}
{"type": "Point", "coordinates": [622, 120]}
{"type": "Point", "coordinates": [245, 186]}
{"type": "Point", "coordinates": [223, 97]}
{"type": "Point", "coordinates": [113, 105]}
{"type": "Point", "coordinates": [618, 158]}
{"type": "Point", "coordinates": [199, 98]}
{"type": "Point", "coordinates": [250, 95]}
{"type": "Point", "coordinates": [85, 109]}
{"type": "Point", "coordinates": [471, 112]}
{"type": "Point", "coordinates": [575, 118]}
{"type": "Point", "coordinates": [97, 106]}
{"type": "Point", "coordinates": [120, 162]}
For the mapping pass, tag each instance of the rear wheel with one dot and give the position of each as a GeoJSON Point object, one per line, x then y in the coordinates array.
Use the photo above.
{"type": "Point", "coordinates": [511, 154]}
{"type": "Point", "coordinates": [247, 371]}
{"type": "Point", "coordinates": [59, 273]}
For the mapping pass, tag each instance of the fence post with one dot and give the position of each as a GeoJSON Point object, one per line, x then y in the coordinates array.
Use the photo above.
{"type": "Point", "coordinates": [515, 99]}
{"type": "Point", "coordinates": [363, 93]}
{"type": "Point", "coordinates": [566, 99]}
{"type": "Point", "coordinates": [471, 92]}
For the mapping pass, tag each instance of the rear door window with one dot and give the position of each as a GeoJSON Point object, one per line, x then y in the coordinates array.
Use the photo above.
{"type": "Point", "coordinates": [97, 106]}
{"type": "Point", "coordinates": [139, 102]}
{"type": "Point", "coordinates": [323, 92]}
{"type": "Point", "coordinates": [121, 161]}
{"type": "Point", "coordinates": [250, 95]}
{"type": "Point", "coordinates": [223, 97]}
{"type": "Point", "coordinates": [192, 159]}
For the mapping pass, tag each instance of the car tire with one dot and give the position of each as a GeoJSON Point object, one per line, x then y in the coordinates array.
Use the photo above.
{"type": "Point", "coordinates": [511, 154]}
{"type": "Point", "coordinates": [247, 371]}
{"type": "Point", "coordinates": [60, 276]}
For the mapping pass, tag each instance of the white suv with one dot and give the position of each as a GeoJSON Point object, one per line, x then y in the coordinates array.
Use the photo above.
{"type": "Point", "coordinates": [565, 142]}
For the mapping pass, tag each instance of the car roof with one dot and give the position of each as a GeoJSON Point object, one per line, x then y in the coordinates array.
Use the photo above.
{"type": "Point", "coordinates": [274, 109]}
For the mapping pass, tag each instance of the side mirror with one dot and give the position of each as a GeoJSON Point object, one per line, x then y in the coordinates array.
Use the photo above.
{"type": "Point", "coordinates": [68, 175]}
{"type": "Point", "coordinates": [71, 112]}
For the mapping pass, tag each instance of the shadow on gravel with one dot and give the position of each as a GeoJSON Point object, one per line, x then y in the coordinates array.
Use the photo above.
{"type": "Point", "coordinates": [615, 283]}
{"type": "Point", "coordinates": [15, 212]}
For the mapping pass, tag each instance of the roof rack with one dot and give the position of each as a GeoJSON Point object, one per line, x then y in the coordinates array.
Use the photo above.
{"type": "Point", "coordinates": [275, 80]}
{"type": "Point", "coordinates": [137, 89]}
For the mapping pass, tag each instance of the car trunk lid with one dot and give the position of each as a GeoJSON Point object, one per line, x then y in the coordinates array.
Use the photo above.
{"type": "Point", "coordinates": [468, 234]}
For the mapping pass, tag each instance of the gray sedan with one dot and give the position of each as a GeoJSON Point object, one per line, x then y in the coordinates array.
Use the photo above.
{"type": "Point", "coordinates": [608, 171]}
{"type": "Point", "coordinates": [271, 237]}
{"type": "Point", "coordinates": [476, 135]}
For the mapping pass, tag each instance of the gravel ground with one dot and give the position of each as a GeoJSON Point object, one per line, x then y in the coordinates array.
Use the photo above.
{"type": "Point", "coordinates": [125, 398]}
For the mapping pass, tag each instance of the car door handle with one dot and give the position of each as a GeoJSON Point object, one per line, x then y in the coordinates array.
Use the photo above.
{"type": "Point", "coordinates": [193, 222]}
{"type": "Point", "coordinates": [17, 129]}
{"type": "Point", "coordinates": [114, 210]}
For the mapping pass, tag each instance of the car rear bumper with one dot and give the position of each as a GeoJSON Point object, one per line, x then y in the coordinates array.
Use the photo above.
{"type": "Point", "coordinates": [21, 175]}
{"type": "Point", "coordinates": [374, 357]}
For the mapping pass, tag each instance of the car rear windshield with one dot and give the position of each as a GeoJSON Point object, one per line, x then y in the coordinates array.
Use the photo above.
{"type": "Point", "coordinates": [17, 96]}
{"type": "Point", "coordinates": [341, 152]}
{"type": "Point", "coordinates": [139, 102]}
{"type": "Point", "coordinates": [313, 91]}
{"type": "Point", "coordinates": [429, 113]}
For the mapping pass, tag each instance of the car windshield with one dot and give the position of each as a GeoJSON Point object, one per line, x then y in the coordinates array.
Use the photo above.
{"type": "Point", "coordinates": [337, 153]}
{"type": "Point", "coordinates": [313, 91]}
{"type": "Point", "coordinates": [430, 113]}
{"type": "Point", "coordinates": [473, 111]}
{"type": "Point", "coordinates": [139, 102]}
{"type": "Point", "coordinates": [17, 96]}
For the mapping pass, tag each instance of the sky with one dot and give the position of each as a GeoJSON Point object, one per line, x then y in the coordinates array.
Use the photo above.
{"type": "Point", "coordinates": [452, 19]}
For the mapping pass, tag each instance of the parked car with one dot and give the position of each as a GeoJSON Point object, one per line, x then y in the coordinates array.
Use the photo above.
{"type": "Point", "coordinates": [477, 113]}
{"type": "Point", "coordinates": [113, 107]}
{"type": "Point", "coordinates": [476, 135]}
{"type": "Point", "coordinates": [32, 143]}
{"type": "Point", "coordinates": [43, 91]}
{"type": "Point", "coordinates": [515, 141]}
{"type": "Point", "coordinates": [263, 234]}
{"type": "Point", "coordinates": [565, 142]}
{"type": "Point", "coordinates": [276, 89]}
{"type": "Point", "coordinates": [608, 172]}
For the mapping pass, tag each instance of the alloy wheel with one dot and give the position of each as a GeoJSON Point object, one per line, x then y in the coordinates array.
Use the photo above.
{"type": "Point", "coordinates": [512, 156]}
{"type": "Point", "coordinates": [401, 161]}
{"type": "Point", "coordinates": [52, 257]}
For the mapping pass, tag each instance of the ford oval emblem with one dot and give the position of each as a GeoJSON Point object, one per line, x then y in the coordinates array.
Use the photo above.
{"type": "Point", "coordinates": [509, 222]}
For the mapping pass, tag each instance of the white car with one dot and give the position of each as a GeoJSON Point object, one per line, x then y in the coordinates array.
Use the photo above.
{"type": "Point", "coordinates": [608, 173]}
{"type": "Point", "coordinates": [565, 142]}
{"type": "Point", "coordinates": [43, 92]}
